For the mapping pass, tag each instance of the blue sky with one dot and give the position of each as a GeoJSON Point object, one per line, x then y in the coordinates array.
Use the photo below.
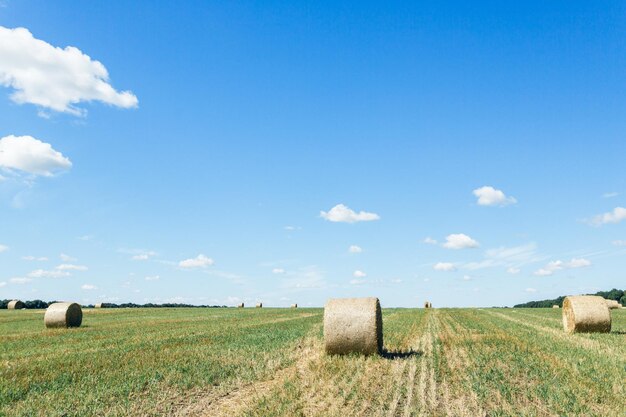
{"type": "Point", "coordinates": [212, 153]}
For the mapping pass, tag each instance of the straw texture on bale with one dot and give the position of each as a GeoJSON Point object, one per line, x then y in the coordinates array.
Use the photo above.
{"type": "Point", "coordinates": [612, 304]}
{"type": "Point", "coordinates": [353, 325]}
{"type": "Point", "coordinates": [63, 315]}
{"type": "Point", "coordinates": [16, 305]}
{"type": "Point", "coordinates": [555, 306]}
{"type": "Point", "coordinates": [240, 305]}
{"type": "Point", "coordinates": [586, 314]}
{"type": "Point", "coordinates": [99, 305]}
{"type": "Point", "coordinates": [259, 305]}
{"type": "Point", "coordinates": [294, 306]}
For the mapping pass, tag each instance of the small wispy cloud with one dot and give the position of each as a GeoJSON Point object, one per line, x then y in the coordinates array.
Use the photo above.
{"type": "Point", "coordinates": [152, 278]}
{"type": "Point", "coordinates": [355, 249]}
{"type": "Point", "coordinates": [610, 195]}
{"type": "Point", "coordinates": [444, 266]}
{"type": "Point", "coordinates": [20, 280]}
{"type": "Point", "coordinates": [34, 258]}
{"type": "Point", "coordinates": [278, 271]}
{"type": "Point", "coordinates": [88, 287]}
{"type": "Point", "coordinates": [429, 241]}
{"type": "Point", "coordinates": [551, 267]}
{"type": "Point", "coordinates": [359, 274]}
{"type": "Point", "coordinates": [617, 215]}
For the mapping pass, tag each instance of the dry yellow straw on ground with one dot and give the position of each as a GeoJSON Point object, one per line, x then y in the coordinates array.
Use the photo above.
{"type": "Point", "coordinates": [16, 305]}
{"type": "Point", "coordinates": [63, 315]}
{"type": "Point", "coordinates": [353, 325]}
{"type": "Point", "coordinates": [586, 314]}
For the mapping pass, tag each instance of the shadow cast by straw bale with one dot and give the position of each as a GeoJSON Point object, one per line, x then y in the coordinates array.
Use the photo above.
{"type": "Point", "coordinates": [400, 354]}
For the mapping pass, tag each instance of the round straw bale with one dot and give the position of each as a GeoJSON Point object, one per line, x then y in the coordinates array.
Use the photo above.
{"type": "Point", "coordinates": [353, 325]}
{"type": "Point", "coordinates": [294, 306]}
{"type": "Point", "coordinates": [586, 314]}
{"type": "Point", "coordinates": [259, 305]}
{"type": "Point", "coordinates": [99, 305]}
{"type": "Point", "coordinates": [555, 306]}
{"type": "Point", "coordinates": [612, 304]}
{"type": "Point", "coordinates": [16, 305]}
{"type": "Point", "coordinates": [63, 315]}
{"type": "Point", "coordinates": [240, 305]}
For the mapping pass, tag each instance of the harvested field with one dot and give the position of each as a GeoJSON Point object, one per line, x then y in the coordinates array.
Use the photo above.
{"type": "Point", "coordinates": [270, 362]}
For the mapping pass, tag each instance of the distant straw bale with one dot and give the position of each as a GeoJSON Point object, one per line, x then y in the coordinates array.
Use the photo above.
{"type": "Point", "coordinates": [240, 305]}
{"type": "Point", "coordinates": [428, 304]}
{"type": "Point", "coordinates": [586, 314]}
{"type": "Point", "coordinates": [353, 325]}
{"type": "Point", "coordinates": [16, 305]}
{"type": "Point", "coordinates": [259, 305]}
{"type": "Point", "coordinates": [294, 306]}
{"type": "Point", "coordinates": [63, 315]}
{"type": "Point", "coordinates": [555, 306]}
{"type": "Point", "coordinates": [99, 305]}
{"type": "Point", "coordinates": [612, 304]}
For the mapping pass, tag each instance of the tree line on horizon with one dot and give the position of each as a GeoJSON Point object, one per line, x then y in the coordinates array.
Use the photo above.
{"type": "Point", "coordinates": [614, 294]}
{"type": "Point", "coordinates": [39, 304]}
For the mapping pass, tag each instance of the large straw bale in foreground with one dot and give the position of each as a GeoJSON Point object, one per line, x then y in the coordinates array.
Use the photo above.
{"type": "Point", "coordinates": [353, 325]}
{"type": "Point", "coordinates": [612, 304]}
{"type": "Point", "coordinates": [16, 305]}
{"type": "Point", "coordinates": [63, 315]}
{"type": "Point", "coordinates": [586, 314]}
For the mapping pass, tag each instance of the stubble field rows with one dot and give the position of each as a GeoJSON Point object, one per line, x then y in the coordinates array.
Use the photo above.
{"type": "Point", "coordinates": [270, 362]}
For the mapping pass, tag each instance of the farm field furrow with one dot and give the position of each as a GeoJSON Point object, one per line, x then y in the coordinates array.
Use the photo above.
{"type": "Point", "coordinates": [270, 362]}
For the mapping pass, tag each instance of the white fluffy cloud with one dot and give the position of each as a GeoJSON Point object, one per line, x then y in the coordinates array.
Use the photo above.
{"type": "Point", "coordinates": [444, 266]}
{"type": "Point", "coordinates": [30, 155]}
{"type": "Point", "coordinates": [617, 215]}
{"type": "Point", "coordinates": [355, 249]}
{"type": "Point", "coordinates": [430, 241]}
{"type": "Point", "coordinates": [460, 241]}
{"type": "Point", "coordinates": [2, 284]}
{"type": "Point", "coordinates": [88, 287]}
{"type": "Point", "coordinates": [52, 77]}
{"type": "Point", "coordinates": [359, 274]}
{"type": "Point", "coordinates": [278, 271]}
{"type": "Point", "coordinates": [489, 196]}
{"type": "Point", "coordinates": [199, 261]}
{"type": "Point", "coordinates": [3, 248]}
{"type": "Point", "coordinates": [20, 280]}
{"type": "Point", "coordinates": [343, 214]}
{"type": "Point", "coordinates": [558, 265]}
